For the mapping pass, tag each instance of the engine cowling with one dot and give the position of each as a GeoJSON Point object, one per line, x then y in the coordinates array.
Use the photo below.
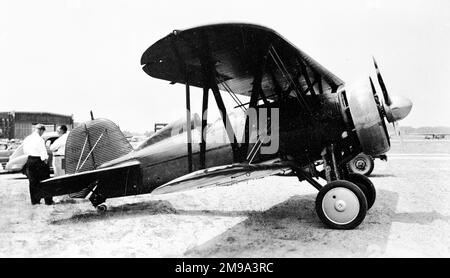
{"type": "Point", "coordinates": [367, 119]}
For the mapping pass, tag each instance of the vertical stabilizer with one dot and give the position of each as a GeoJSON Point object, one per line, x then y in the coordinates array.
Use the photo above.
{"type": "Point", "coordinates": [93, 143]}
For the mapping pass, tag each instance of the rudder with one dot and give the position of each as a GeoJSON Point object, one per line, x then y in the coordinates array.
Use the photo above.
{"type": "Point", "coordinates": [93, 143]}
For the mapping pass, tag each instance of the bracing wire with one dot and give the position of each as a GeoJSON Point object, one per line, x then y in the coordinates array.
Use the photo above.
{"type": "Point", "coordinates": [232, 95]}
{"type": "Point", "coordinates": [279, 63]}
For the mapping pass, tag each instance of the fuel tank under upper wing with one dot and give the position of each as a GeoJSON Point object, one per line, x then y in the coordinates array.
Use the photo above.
{"type": "Point", "coordinates": [236, 52]}
{"type": "Point", "coordinates": [223, 176]}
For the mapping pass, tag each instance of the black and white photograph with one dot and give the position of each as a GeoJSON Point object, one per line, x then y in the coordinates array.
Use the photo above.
{"type": "Point", "coordinates": [224, 129]}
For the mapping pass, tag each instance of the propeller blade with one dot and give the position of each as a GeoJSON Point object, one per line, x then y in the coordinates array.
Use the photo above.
{"type": "Point", "coordinates": [387, 99]}
{"type": "Point", "coordinates": [373, 87]}
{"type": "Point", "coordinates": [375, 95]}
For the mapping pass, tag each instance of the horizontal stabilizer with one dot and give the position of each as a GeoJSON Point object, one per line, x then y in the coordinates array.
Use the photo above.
{"type": "Point", "coordinates": [72, 183]}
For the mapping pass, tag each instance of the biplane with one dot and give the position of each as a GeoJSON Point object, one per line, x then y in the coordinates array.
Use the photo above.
{"type": "Point", "coordinates": [433, 135]}
{"type": "Point", "coordinates": [308, 122]}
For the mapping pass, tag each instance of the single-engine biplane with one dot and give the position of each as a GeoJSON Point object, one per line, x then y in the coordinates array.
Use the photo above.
{"type": "Point", "coordinates": [321, 123]}
{"type": "Point", "coordinates": [433, 135]}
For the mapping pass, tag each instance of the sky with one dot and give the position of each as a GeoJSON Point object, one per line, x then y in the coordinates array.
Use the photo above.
{"type": "Point", "coordinates": [74, 56]}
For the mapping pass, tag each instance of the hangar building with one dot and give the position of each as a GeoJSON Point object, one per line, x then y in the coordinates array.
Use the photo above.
{"type": "Point", "coordinates": [18, 125]}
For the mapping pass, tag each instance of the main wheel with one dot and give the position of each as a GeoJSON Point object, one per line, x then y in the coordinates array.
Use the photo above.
{"type": "Point", "coordinates": [361, 164]}
{"type": "Point", "coordinates": [341, 205]}
{"type": "Point", "coordinates": [365, 185]}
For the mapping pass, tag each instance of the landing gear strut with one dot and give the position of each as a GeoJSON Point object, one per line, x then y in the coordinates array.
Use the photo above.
{"type": "Point", "coordinates": [343, 202]}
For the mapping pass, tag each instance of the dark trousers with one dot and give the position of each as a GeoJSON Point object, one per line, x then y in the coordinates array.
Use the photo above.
{"type": "Point", "coordinates": [37, 170]}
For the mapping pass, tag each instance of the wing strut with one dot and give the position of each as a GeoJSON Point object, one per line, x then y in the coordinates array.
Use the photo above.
{"type": "Point", "coordinates": [232, 95]}
{"type": "Point", "coordinates": [183, 68]}
{"type": "Point", "coordinates": [203, 133]}
{"type": "Point", "coordinates": [287, 76]}
{"type": "Point", "coordinates": [319, 80]}
{"type": "Point", "coordinates": [225, 118]}
{"type": "Point", "coordinates": [306, 76]}
{"type": "Point", "coordinates": [210, 82]}
{"type": "Point", "coordinates": [188, 126]}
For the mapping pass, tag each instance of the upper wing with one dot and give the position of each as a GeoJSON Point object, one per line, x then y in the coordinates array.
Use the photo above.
{"type": "Point", "coordinates": [222, 176]}
{"type": "Point", "coordinates": [73, 183]}
{"type": "Point", "coordinates": [236, 52]}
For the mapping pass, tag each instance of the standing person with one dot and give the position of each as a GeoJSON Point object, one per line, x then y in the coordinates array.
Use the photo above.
{"type": "Point", "coordinates": [58, 148]}
{"type": "Point", "coordinates": [36, 166]}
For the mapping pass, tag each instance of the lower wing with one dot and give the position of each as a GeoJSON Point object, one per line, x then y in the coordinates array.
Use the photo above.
{"type": "Point", "coordinates": [223, 176]}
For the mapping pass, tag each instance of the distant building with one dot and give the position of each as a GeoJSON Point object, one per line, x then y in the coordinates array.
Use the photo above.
{"type": "Point", "coordinates": [18, 125]}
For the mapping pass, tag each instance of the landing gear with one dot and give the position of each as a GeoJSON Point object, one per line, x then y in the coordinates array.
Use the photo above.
{"type": "Point", "coordinates": [365, 185]}
{"type": "Point", "coordinates": [98, 201]}
{"type": "Point", "coordinates": [362, 164]}
{"type": "Point", "coordinates": [102, 208]}
{"type": "Point", "coordinates": [343, 202]}
{"type": "Point", "coordinates": [341, 205]}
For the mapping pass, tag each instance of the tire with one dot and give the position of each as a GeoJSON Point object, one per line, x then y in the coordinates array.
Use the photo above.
{"type": "Point", "coordinates": [102, 208]}
{"type": "Point", "coordinates": [361, 164]}
{"type": "Point", "coordinates": [341, 205]}
{"type": "Point", "coordinates": [366, 185]}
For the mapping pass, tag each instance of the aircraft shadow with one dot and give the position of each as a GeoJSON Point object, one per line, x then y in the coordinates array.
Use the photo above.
{"type": "Point", "coordinates": [292, 229]}
{"type": "Point", "coordinates": [121, 211]}
{"type": "Point", "coordinates": [288, 229]}
{"type": "Point", "coordinates": [142, 208]}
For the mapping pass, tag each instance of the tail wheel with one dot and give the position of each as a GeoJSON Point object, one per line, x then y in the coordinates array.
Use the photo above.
{"type": "Point", "coordinates": [365, 185]}
{"type": "Point", "coordinates": [341, 205]}
{"type": "Point", "coordinates": [102, 208]}
{"type": "Point", "coordinates": [362, 164]}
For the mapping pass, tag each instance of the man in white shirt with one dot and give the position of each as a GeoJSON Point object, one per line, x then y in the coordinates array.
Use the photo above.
{"type": "Point", "coordinates": [58, 148]}
{"type": "Point", "coordinates": [36, 166]}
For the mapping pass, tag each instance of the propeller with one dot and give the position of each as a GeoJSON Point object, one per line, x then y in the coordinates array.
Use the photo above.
{"type": "Point", "coordinates": [395, 108]}
{"type": "Point", "coordinates": [386, 97]}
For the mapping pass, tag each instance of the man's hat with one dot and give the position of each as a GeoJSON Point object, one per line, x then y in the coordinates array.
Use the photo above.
{"type": "Point", "coordinates": [40, 126]}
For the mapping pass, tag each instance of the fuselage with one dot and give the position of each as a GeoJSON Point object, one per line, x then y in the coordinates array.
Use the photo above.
{"type": "Point", "coordinates": [301, 138]}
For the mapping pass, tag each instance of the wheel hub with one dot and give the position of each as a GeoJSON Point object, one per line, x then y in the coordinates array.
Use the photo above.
{"type": "Point", "coordinates": [340, 205]}
{"type": "Point", "coordinates": [360, 164]}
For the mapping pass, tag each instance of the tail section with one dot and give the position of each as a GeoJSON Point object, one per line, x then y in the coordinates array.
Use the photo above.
{"type": "Point", "coordinates": [94, 143]}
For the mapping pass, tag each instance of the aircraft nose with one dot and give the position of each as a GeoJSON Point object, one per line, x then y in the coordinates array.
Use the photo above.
{"type": "Point", "coordinates": [399, 108]}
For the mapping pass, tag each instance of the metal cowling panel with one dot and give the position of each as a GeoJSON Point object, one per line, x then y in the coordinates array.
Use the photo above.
{"type": "Point", "coordinates": [94, 143]}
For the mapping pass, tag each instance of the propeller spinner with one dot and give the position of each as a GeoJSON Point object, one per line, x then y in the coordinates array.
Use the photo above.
{"type": "Point", "coordinates": [395, 108]}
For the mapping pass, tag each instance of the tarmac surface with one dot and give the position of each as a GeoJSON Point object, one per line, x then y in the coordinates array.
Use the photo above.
{"type": "Point", "coordinates": [270, 217]}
